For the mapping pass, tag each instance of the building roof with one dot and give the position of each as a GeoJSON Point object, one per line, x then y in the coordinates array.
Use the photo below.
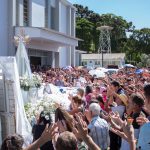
{"type": "Point", "coordinates": [81, 51]}
{"type": "Point", "coordinates": [105, 27]}
{"type": "Point", "coordinates": [109, 56]}
{"type": "Point", "coordinates": [48, 35]}
{"type": "Point", "coordinates": [69, 4]}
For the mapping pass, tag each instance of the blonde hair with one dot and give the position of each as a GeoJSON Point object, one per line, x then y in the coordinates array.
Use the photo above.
{"type": "Point", "coordinates": [77, 99]}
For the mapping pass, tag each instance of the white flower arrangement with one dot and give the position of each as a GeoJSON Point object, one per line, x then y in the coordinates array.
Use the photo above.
{"type": "Point", "coordinates": [37, 80]}
{"type": "Point", "coordinates": [26, 83]}
{"type": "Point", "coordinates": [34, 110]}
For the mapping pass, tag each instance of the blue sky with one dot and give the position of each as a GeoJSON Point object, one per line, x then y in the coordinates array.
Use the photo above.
{"type": "Point", "coordinates": [137, 11]}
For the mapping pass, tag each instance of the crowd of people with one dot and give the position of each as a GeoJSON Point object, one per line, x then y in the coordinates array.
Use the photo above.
{"type": "Point", "coordinates": [106, 113]}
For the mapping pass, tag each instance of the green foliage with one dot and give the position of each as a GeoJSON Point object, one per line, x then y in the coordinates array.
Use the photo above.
{"type": "Point", "coordinates": [86, 28]}
{"type": "Point", "coordinates": [142, 40]}
{"type": "Point", "coordinates": [92, 20]}
{"type": "Point", "coordinates": [144, 61]}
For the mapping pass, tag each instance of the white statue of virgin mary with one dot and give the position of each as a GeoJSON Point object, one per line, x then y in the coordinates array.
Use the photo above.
{"type": "Point", "coordinates": [22, 68]}
{"type": "Point", "coordinates": [23, 60]}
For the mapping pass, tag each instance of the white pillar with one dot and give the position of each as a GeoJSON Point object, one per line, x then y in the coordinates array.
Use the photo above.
{"type": "Point", "coordinates": [77, 58]}
{"type": "Point", "coordinates": [73, 55]}
{"type": "Point", "coordinates": [69, 56]}
{"type": "Point", "coordinates": [14, 13]}
{"type": "Point", "coordinates": [11, 22]}
{"type": "Point", "coordinates": [73, 22]}
{"type": "Point", "coordinates": [53, 59]}
{"type": "Point", "coordinates": [57, 59]}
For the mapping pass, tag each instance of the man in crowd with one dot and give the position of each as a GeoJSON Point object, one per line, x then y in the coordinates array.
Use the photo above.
{"type": "Point", "coordinates": [115, 86]}
{"type": "Point", "coordinates": [60, 81]}
{"type": "Point", "coordinates": [98, 127]}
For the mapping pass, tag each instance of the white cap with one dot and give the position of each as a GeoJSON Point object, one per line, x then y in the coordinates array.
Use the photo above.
{"type": "Point", "coordinates": [95, 108]}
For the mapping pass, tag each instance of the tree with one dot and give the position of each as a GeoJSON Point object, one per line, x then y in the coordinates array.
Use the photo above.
{"type": "Point", "coordinates": [137, 44]}
{"type": "Point", "coordinates": [142, 40]}
{"type": "Point", "coordinates": [118, 34]}
{"type": "Point", "coordinates": [83, 12]}
{"type": "Point", "coordinates": [91, 18]}
{"type": "Point", "coordinates": [145, 61]}
{"type": "Point", "coordinates": [84, 29]}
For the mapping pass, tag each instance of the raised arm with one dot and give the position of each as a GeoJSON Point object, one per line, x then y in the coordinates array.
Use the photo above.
{"type": "Point", "coordinates": [46, 136]}
{"type": "Point", "coordinates": [81, 131]}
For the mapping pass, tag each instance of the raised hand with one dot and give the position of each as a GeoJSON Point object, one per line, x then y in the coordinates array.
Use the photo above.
{"type": "Point", "coordinates": [116, 118]}
{"type": "Point", "coordinates": [81, 129]}
{"type": "Point", "coordinates": [81, 132]}
{"type": "Point", "coordinates": [107, 117]}
{"type": "Point", "coordinates": [61, 126]}
{"type": "Point", "coordinates": [127, 132]}
{"type": "Point", "coordinates": [87, 115]}
{"type": "Point", "coordinates": [119, 133]}
{"type": "Point", "coordinates": [46, 136]}
{"type": "Point", "coordinates": [142, 120]}
{"type": "Point", "coordinates": [49, 132]}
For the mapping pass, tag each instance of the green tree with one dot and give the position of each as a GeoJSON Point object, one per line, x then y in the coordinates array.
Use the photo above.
{"type": "Point", "coordinates": [118, 34]}
{"type": "Point", "coordinates": [144, 60]}
{"type": "Point", "coordinates": [142, 40]}
{"type": "Point", "coordinates": [92, 19]}
{"type": "Point", "coordinates": [84, 29]}
{"type": "Point", "coordinates": [83, 12]}
{"type": "Point", "coordinates": [137, 44]}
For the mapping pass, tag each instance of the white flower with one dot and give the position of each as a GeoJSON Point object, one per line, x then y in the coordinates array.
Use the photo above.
{"type": "Point", "coordinates": [47, 117]}
{"type": "Point", "coordinates": [46, 104]}
{"type": "Point", "coordinates": [41, 108]}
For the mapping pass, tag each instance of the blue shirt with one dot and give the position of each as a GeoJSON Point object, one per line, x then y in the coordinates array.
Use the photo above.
{"type": "Point", "coordinates": [99, 132]}
{"type": "Point", "coordinates": [59, 83]}
{"type": "Point", "coordinates": [144, 137]}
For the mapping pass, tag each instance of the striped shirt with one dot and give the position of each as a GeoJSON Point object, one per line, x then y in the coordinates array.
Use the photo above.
{"type": "Point", "coordinates": [99, 132]}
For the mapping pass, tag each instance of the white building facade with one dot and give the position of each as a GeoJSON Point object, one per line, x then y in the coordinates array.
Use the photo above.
{"type": "Point", "coordinates": [50, 25]}
{"type": "Point", "coordinates": [95, 60]}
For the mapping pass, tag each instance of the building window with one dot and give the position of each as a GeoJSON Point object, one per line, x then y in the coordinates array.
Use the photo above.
{"type": "Point", "coordinates": [17, 13]}
{"type": "Point", "coordinates": [25, 12]}
{"type": "Point", "coordinates": [53, 18]}
{"type": "Point", "coordinates": [46, 13]}
{"type": "Point", "coordinates": [84, 63]}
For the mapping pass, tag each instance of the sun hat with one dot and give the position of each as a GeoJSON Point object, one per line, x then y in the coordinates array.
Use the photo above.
{"type": "Point", "coordinates": [123, 98]}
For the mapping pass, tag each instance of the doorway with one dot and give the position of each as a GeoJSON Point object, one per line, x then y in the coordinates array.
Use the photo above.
{"type": "Point", "coordinates": [36, 61]}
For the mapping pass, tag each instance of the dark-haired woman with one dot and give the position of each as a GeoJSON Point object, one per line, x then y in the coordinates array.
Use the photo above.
{"type": "Point", "coordinates": [13, 142]}
{"type": "Point", "coordinates": [88, 94]}
{"type": "Point", "coordinates": [38, 129]}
